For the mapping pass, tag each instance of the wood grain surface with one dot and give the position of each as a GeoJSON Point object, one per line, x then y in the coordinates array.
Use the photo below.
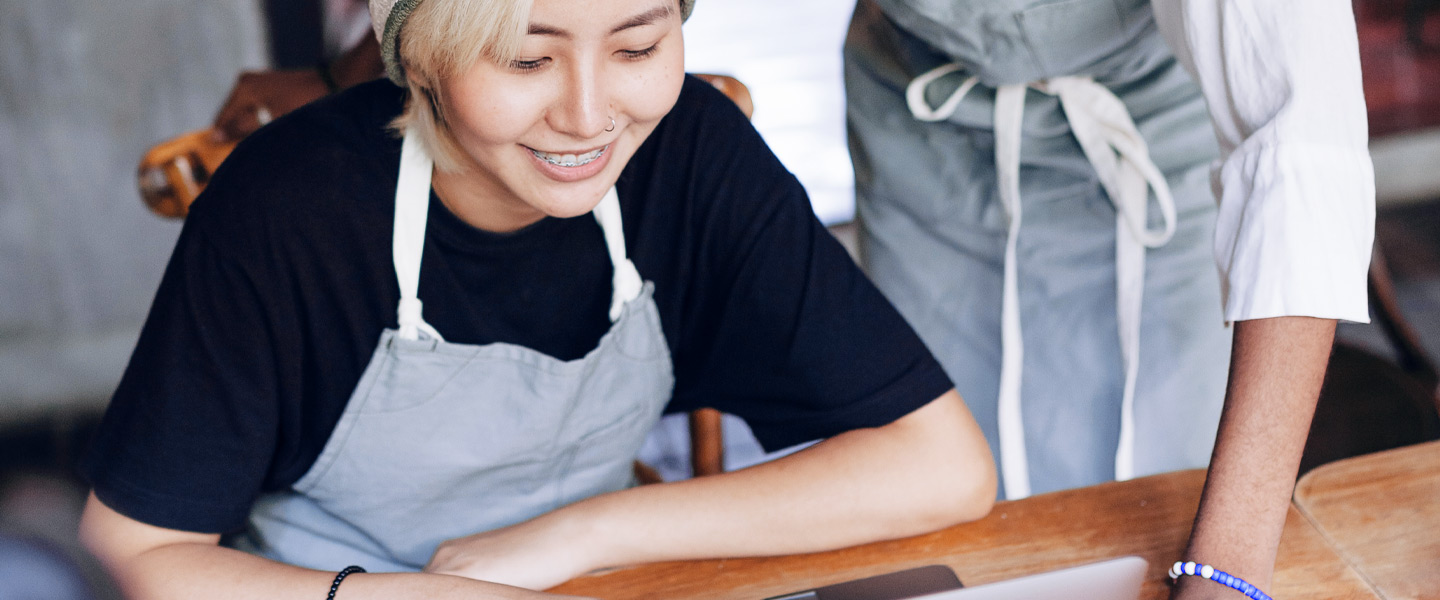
{"type": "Point", "coordinates": [1148, 517]}
{"type": "Point", "coordinates": [1382, 513]}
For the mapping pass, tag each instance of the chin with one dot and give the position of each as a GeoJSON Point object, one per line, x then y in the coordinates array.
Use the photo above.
{"type": "Point", "coordinates": [571, 204]}
{"type": "Point", "coordinates": [568, 212]}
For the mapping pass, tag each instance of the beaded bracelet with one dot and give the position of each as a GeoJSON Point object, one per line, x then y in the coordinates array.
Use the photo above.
{"type": "Point", "coordinates": [339, 577]}
{"type": "Point", "coordinates": [1217, 576]}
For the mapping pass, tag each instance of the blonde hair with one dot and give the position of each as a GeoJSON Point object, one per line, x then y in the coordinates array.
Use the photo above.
{"type": "Point", "coordinates": [440, 40]}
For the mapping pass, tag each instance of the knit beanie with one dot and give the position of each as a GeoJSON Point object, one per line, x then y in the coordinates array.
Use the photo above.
{"type": "Point", "coordinates": [388, 18]}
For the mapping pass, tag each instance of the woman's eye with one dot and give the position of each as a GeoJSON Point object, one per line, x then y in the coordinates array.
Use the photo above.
{"type": "Point", "coordinates": [525, 66]}
{"type": "Point", "coordinates": [640, 54]}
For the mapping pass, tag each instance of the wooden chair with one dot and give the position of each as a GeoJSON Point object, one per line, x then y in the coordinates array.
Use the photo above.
{"type": "Point", "coordinates": [173, 173]}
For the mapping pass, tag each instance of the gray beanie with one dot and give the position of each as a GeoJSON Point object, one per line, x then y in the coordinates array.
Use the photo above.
{"type": "Point", "coordinates": [388, 18]}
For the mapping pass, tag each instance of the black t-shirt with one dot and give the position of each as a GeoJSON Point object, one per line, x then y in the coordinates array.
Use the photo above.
{"type": "Point", "coordinates": [282, 282]}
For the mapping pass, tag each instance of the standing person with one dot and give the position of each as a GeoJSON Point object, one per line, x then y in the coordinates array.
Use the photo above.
{"type": "Point", "coordinates": [1008, 155]}
{"type": "Point", "coordinates": [601, 236]}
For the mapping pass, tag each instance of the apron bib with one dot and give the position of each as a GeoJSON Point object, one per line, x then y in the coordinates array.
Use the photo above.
{"type": "Point", "coordinates": [442, 440]}
{"type": "Point", "coordinates": [1016, 146]}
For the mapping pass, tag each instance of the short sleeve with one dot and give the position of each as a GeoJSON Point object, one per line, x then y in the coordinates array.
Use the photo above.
{"type": "Point", "coordinates": [1295, 182]}
{"type": "Point", "coordinates": [186, 441]}
{"type": "Point", "coordinates": [787, 332]}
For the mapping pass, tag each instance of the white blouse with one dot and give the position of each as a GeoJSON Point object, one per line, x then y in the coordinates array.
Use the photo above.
{"type": "Point", "coordinates": [1295, 182]}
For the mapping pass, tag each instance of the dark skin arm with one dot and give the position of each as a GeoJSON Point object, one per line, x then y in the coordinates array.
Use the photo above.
{"type": "Point", "coordinates": [279, 92]}
{"type": "Point", "coordinates": [1276, 370]}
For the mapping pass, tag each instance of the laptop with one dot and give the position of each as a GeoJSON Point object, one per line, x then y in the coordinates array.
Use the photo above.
{"type": "Point", "coordinates": [1116, 579]}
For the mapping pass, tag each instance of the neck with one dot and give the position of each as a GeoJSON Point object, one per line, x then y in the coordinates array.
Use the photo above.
{"type": "Point", "coordinates": [481, 207]}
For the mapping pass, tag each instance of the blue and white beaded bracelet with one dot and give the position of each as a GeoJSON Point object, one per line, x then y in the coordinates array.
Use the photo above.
{"type": "Point", "coordinates": [1217, 576]}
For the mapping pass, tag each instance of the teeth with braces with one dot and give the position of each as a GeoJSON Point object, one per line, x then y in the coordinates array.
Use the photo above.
{"type": "Point", "coordinates": [569, 160]}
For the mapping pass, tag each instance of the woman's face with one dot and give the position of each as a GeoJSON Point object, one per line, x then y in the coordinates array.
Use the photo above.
{"type": "Point", "coordinates": [549, 133]}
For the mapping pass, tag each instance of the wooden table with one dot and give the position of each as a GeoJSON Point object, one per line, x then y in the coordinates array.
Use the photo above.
{"type": "Point", "coordinates": [1148, 517]}
{"type": "Point", "coordinates": [1382, 513]}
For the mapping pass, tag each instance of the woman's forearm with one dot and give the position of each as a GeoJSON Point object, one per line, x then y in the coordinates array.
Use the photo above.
{"type": "Point", "coordinates": [923, 472]}
{"type": "Point", "coordinates": [185, 571]}
{"type": "Point", "coordinates": [929, 470]}
{"type": "Point", "coordinates": [154, 563]}
{"type": "Point", "coordinates": [1276, 370]}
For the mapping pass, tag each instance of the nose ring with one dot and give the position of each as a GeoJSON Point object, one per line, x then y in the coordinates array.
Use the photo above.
{"type": "Point", "coordinates": [612, 125]}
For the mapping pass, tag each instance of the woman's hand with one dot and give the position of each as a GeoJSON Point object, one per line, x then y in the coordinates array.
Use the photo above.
{"type": "Point", "coordinates": [929, 469]}
{"type": "Point", "coordinates": [537, 554]}
{"type": "Point", "coordinates": [260, 96]}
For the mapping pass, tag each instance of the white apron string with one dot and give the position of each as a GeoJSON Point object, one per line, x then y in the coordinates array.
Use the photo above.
{"type": "Point", "coordinates": [1014, 466]}
{"type": "Point", "coordinates": [1114, 147]}
{"type": "Point", "coordinates": [412, 206]}
{"type": "Point", "coordinates": [625, 281]}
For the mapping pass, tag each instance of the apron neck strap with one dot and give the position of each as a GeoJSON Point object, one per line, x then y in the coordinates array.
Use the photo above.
{"type": "Point", "coordinates": [625, 281]}
{"type": "Point", "coordinates": [412, 209]}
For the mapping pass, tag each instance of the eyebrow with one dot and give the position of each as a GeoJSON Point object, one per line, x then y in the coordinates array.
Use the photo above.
{"type": "Point", "coordinates": [646, 18]}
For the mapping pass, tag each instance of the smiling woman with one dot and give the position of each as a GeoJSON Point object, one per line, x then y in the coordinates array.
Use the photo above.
{"type": "Point", "coordinates": [263, 440]}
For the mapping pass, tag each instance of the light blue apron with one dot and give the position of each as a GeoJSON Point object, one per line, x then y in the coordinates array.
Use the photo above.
{"type": "Point", "coordinates": [1008, 154]}
{"type": "Point", "coordinates": [442, 440]}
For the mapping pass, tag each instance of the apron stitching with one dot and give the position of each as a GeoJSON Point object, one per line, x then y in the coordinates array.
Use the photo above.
{"type": "Point", "coordinates": [534, 358]}
{"type": "Point", "coordinates": [455, 372]}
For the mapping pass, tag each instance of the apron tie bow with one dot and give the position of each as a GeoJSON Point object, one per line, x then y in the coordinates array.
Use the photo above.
{"type": "Point", "coordinates": [1114, 147]}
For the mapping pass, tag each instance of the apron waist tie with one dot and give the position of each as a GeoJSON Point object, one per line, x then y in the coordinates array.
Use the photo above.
{"type": "Point", "coordinates": [1113, 146]}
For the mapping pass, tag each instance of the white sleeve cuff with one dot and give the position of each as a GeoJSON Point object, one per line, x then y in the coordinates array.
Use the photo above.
{"type": "Point", "coordinates": [1295, 230]}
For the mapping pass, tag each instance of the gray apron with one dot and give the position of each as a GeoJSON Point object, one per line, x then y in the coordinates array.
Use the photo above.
{"type": "Point", "coordinates": [442, 440]}
{"type": "Point", "coordinates": [1007, 156]}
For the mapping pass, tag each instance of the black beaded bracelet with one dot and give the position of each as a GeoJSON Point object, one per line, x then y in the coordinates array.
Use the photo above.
{"type": "Point", "coordinates": [339, 577]}
{"type": "Point", "coordinates": [327, 77]}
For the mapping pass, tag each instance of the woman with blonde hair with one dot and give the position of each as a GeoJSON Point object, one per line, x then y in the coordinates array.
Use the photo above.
{"type": "Point", "coordinates": [262, 444]}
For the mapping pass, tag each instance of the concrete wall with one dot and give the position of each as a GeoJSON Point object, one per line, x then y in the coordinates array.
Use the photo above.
{"type": "Point", "coordinates": [86, 86]}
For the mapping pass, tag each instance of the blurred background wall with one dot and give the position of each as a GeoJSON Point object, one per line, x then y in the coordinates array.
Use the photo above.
{"type": "Point", "coordinates": [85, 87]}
